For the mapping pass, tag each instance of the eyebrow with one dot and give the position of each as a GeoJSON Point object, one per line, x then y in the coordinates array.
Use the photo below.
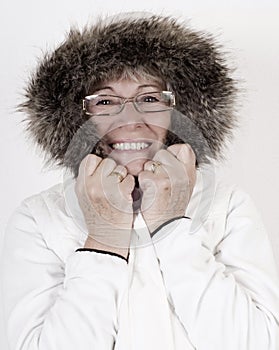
{"type": "Point", "coordinates": [103, 88]}
{"type": "Point", "coordinates": [139, 87]}
{"type": "Point", "coordinates": [148, 85]}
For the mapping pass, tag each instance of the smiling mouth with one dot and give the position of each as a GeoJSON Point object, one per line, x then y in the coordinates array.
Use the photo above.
{"type": "Point", "coordinates": [129, 146]}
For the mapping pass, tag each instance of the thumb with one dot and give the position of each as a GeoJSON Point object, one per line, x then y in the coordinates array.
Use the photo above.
{"type": "Point", "coordinates": [146, 181]}
{"type": "Point", "coordinates": [127, 186]}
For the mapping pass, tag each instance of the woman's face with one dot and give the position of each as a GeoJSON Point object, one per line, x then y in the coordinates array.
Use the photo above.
{"type": "Point", "coordinates": [131, 137]}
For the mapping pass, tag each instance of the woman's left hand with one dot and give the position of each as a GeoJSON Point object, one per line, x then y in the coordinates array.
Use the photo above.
{"type": "Point", "coordinates": [167, 183]}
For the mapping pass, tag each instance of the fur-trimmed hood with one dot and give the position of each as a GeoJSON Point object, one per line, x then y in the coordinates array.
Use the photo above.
{"type": "Point", "coordinates": [190, 61]}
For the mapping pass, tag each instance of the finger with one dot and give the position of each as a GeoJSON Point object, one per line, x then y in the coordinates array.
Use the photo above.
{"type": "Point", "coordinates": [165, 157]}
{"type": "Point", "coordinates": [88, 165]}
{"type": "Point", "coordinates": [183, 152]}
{"type": "Point", "coordinates": [178, 160]}
{"type": "Point", "coordinates": [118, 173]}
{"type": "Point", "coordinates": [153, 166]}
{"type": "Point", "coordinates": [127, 186]}
{"type": "Point", "coordinates": [106, 167]}
{"type": "Point", "coordinates": [146, 179]}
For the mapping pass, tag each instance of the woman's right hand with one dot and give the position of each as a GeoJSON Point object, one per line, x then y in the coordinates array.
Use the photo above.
{"type": "Point", "coordinates": [104, 191]}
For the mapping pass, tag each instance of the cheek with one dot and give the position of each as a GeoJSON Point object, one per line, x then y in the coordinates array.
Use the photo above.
{"type": "Point", "coordinates": [161, 128]}
{"type": "Point", "coordinates": [161, 134]}
{"type": "Point", "coordinates": [102, 128]}
{"type": "Point", "coordinates": [164, 120]}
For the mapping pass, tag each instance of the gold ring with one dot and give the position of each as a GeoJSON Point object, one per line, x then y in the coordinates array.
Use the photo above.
{"type": "Point", "coordinates": [154, 166]}
{"type": "Point", "coordinates": [118, 175]}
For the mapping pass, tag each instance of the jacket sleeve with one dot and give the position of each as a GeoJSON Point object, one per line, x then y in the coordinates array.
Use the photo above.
{"type": "Point", "coordinates": [52, 305]}
{"type": "Point", "coordinates": [227, 297]}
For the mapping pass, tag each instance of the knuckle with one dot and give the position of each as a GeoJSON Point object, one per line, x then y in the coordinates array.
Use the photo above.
{"type": "Point", "coordinates": [121, 169]}
{"type": "Point", "coordinates": [188, 146]}
{"type": "Point", "coordinates": [147, 165]}
{"type": "Point", "coordinates": [89, 164]}
{"type": "Point", "coordinates": [186, 150]}
{"type": "Point", "coordinates": [90, 160]}
{"type": "Point", "coordinates": [109, 162]}
{"type": "Point", "coordinates": [84, 160]}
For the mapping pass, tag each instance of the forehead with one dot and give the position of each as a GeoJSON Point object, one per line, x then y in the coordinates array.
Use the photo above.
{"type": "Point", "coordinates": [129, 85]}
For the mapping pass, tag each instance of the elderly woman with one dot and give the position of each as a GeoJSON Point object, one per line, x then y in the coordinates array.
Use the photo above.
{"type": "Point", "coordinates": [142, 247]}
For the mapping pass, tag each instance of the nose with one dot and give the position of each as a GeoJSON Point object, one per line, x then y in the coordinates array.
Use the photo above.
{"type": "Point", "coordinates": [129, 118]}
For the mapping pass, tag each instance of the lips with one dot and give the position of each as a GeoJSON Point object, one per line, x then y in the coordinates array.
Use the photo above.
{"type": "Point", "coordinates": [131, 153]}
{"type": "Point", "coordinates": [130, 146]}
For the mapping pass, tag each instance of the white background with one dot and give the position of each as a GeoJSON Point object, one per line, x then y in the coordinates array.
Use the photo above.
{"type": "Point", "coordinates": [248, 29]}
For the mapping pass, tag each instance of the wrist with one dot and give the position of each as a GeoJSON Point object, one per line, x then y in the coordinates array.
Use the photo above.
{"type": "Point", "coordinates": [160, 225]}
{"type": "Point", "coordinates": [91, 243]}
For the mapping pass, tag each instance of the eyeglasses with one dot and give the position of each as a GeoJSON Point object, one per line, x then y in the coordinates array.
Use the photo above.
{"type": "Point", "coordinates": [149, 102]}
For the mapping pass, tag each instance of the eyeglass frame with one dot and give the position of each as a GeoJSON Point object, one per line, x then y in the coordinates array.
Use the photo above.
{"type": "Point", "coordinates": [126, 100]}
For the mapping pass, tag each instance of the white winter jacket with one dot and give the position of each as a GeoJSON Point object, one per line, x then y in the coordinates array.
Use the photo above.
{"type": "Point", "coordinates": [205, 283]}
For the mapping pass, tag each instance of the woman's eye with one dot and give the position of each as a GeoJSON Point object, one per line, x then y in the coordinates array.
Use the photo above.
{"type": "Point", "coordinates": [103, 102]}
{"type": "Point", "coordinates": [150, 99]}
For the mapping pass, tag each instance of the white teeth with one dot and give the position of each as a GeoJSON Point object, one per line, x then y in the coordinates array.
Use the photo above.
{"type": "Point", "coordinates": [127, 146]}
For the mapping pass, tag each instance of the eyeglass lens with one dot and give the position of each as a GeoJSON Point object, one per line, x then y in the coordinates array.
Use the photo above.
{"type": "Point", "coordinates": [147, 102]}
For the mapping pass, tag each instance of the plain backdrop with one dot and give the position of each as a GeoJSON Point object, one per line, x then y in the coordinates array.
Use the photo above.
{"type": "Point", "coordinates": [247, 29]}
